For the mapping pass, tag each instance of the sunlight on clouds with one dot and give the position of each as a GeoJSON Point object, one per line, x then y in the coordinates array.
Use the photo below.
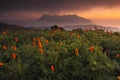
{"type": "Point", "coordinates": [102, 13]}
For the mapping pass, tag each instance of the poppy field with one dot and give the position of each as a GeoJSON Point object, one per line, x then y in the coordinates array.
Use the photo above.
{"type": "Point", "coordinates": [59, 55]}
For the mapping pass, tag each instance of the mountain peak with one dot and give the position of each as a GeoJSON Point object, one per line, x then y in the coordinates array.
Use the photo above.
{"type": "Point", "coordinates": [63, 20]}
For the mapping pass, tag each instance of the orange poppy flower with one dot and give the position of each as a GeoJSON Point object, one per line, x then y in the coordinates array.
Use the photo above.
{"type": "Point", "coordinates": [14, 48]}
{"type": "Point", "coordinates": [91, 48]}
{"type": "Point", "coordinates": [76, 51]}
{"type": "Point", "coordinates": [38, 39]}
{"type": "Point", "coordinates": [41, 51]}
{"type": "Point", "coordinates": [78, 36]}
{"type": "Point", "coordinates": [71, 33]}
{"type": "Point", "coordinates": [4, 47]}
{"type": "Point", "coordinates": [109, 32]}
{"type": "Point", "coordinates": [4, 33]}
{"type": "Point", "coordinates": [16, 39]}
{"type": "Point", "coordinates": [118, 77]}
{"type": "Point", "coordinates": [34, 39]}
{"type": "Point", "coordinates": [40, 45]}
{"type": "Point", "coordinates": [1, 64]}
{"type": "Point", "coordinates": [86, 29]}
{"type": "Point", "coordinates": [52, 68]}
{"type": "Point", "coordinates": [61, 42]}
{"type": "Point", "coordinates": [13, 56]}
{"type": "Point", "coordinates": [47, 42]}
{"type": "Point", "coordinates": [33, 43]}
{"type": "Point", "coordinates": [117, 56]}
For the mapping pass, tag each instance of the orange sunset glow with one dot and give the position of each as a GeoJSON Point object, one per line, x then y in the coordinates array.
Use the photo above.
{"type": "Point", "coordinates": [99, 12]}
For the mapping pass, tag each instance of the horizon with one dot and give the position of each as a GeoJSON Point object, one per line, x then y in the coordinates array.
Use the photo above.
{"type": "Point", "coordinates": [22, 12]}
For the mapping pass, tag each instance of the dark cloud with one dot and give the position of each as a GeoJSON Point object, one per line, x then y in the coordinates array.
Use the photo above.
{"type": "Point", "coordinates": [54, 5]}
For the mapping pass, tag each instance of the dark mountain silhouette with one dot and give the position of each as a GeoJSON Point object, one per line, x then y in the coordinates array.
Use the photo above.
{"type": "Point", "coordinates": [63, 20]}
{"type": "Point", "coordinates": [5, 26]}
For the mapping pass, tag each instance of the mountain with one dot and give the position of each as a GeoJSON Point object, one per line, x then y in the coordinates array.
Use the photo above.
{"type": "Point", "coordinates": [5, 26]}
{"type": "Point", "coordinates": [63, 20]}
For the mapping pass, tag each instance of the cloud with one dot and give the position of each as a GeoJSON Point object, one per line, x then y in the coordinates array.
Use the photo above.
{"type": "Point", "coordinates": [16, 10]}
{"type": "Point", "coordinates": [54, 5]}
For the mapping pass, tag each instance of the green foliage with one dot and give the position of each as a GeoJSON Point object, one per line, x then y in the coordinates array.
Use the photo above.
{"type": "Point", "coordinates": [98, 63]}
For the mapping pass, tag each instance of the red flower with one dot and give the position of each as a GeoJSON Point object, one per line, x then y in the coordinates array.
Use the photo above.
{"type": "Point", "coordinates": [47, 42]}
{"type": "Point", "coordinates": [117, 56]}
{"type": "Point", "coordinates": [91, 48]}
{"type": "Point", "coordinates": [14, 48]}
{"type": "Point", "coordinates": [86, 29]}
{"type": "Point", "coordinates": [1, 64]}
{"type": "Point", "coordinates": [4, 47]}
{"type": "Point", "coordinates": [4, 33]}
{"type": "Point", "coordinates": [52, 68]}
{"type": "Point", "coordinates": [16, 39]}
{"type": "Point", "coordinates": [13, 56]}
{"type": "Point", "coordinates": [33, 43]}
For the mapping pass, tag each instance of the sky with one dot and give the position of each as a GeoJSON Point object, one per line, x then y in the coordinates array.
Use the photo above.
{"type": "Point", "coordinates": [104, 12]}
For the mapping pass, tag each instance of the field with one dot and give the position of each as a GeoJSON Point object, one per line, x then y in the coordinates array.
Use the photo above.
{"type": "Point", "coordinates": [59, 55]}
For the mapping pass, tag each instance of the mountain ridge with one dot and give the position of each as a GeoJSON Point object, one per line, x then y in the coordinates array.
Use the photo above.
{"type": "Point", "coordinates": [63, 20]}
{"type": "Point", "coordinates": [6, 26]}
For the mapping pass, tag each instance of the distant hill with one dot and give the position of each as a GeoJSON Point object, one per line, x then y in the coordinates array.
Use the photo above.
{"type": "Point", "coordinates": [5, 26]}
{"type": "Point", "coordinates": [92, 27]}
{"type": "Point", "coordinates": [63, 20]}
